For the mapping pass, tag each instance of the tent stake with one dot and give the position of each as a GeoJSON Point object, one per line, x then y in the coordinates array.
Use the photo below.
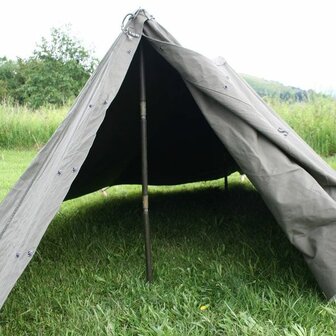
{"type": "Point", "coordinates": [143, 112]}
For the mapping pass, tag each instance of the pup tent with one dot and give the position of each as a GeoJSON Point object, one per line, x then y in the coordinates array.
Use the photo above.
{"type": "Point", "coordinates": [204, 122]}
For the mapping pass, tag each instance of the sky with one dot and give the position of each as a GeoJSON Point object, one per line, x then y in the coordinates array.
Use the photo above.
{"type": "Point", "coordinates": [292, 42]}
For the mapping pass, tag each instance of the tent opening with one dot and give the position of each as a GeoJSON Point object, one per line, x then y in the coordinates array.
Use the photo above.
{"type": "Point", "coordinates": [182, 147]}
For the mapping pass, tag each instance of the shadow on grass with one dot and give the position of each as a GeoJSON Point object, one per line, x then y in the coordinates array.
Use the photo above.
{"type": "Point", "coordinates": [196, 221]}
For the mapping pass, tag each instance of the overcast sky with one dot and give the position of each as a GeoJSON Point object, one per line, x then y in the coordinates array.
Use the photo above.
{"type": "Point", "coordinates": [289, 41]}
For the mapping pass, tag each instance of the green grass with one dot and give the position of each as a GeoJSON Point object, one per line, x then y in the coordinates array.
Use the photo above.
{"type": "Point", "coordinates": [314, 121]}
{"type": "Point", "coordinates": [331, 161]}
{"type": "Point", "coordinates": [222, 251]}
{"type": "Point", "coordinates": [12, 164]}
{"type": "Point", "coordinates": [23, 128]}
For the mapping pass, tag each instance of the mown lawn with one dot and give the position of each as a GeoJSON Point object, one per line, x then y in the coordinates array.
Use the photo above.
{"type": "Point", "coordinates": [222, 267]}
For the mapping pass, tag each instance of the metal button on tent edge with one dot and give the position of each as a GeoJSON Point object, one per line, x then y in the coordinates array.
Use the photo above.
{"type": "Point", "coordinates": [59, 173]}
{"type": "Point", "coordinates": [30, 253]}
{"type": "Point", "coordinates": [17, 255]}
{"type": "Point", "coordinates": [74, 170]}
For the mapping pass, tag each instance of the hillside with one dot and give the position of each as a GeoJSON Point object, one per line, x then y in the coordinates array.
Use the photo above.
{"type": "Point", "coordinates": [273, 89]}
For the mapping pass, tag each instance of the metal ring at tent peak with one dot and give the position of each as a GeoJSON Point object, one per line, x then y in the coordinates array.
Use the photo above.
{"type": "Point", "coordinates": [131, 17]}
{"type": "Point", "coordinates": [127, 30]}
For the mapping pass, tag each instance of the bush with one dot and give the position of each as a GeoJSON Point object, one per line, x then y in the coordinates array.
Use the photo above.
{"type": "Point", "coordinates": [11, 79]}
{"type": "Point", "coordinates": [56, 72]}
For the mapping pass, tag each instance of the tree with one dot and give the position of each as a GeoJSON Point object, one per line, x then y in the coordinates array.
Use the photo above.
{"type": "Point", "coordinates": [58, 69]}
{"type": "Point", "coordinates": [10, 79]}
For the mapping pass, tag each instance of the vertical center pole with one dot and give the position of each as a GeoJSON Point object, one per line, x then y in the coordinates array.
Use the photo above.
{"type": "Point", "coordinates": [226, 183]}
{"type": "Point", "coordinates": [143, 113]}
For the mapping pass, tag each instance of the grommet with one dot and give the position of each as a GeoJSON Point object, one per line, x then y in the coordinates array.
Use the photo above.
{"type": "Point", "coordinates": [90, 105]}
{"type": "Point", "coordinates": [30, 253]}
{"type": "Point", "coordinates": [74, 170]}
{"type": "Point", "coordinates": [17, 255]}
{"type": "Point", "coordinates": [59, 172]}
{"type": "Point", "coordinates": [129, 52]}
{"type": "Point", "coordinates": [225, 87]}
{"type": "Point", "coordinates": [105, 102]}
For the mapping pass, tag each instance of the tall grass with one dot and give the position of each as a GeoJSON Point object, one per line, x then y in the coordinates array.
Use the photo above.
{"type": "Point", "coordinates": [23, 128]}
{"type": "Point", "coordinates": [314, 121]}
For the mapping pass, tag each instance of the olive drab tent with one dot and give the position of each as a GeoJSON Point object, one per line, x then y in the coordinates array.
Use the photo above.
{"type": "Point", "coordinates": [204, 122]}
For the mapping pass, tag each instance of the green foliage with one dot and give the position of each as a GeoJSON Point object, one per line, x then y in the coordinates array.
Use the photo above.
{"type": "Point", "coordinates": [11, 79]}
{"type": "Point", "coordinates": [55, 74]}
{"type": "Point", "coordinates": [57, 71]}
{"type": "Point", "coordinates": [314, 121]}
{"type": "Point", "coordinates": [21, 127]}
{"type": "Point", "coordinates": [64, 48]}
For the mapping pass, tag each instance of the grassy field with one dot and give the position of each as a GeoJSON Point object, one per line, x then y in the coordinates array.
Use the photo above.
{"type": "Point", "coordinates": [314, 121]}
{"type": "Point", "coordinates": [222, 267]}
{"type": "Point", "coordinates": [23, 128]}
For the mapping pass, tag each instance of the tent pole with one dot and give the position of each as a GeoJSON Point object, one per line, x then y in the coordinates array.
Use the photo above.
{"type": "Point", "coordinates": [143, 113]}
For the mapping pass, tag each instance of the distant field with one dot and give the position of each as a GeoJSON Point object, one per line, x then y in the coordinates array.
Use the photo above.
{"type": "Point", "coordinates": [22, 128]}
{"type": "Point", "coordinates": [222, 267]}
{"type": "Point", "coordinates": [314, 121]}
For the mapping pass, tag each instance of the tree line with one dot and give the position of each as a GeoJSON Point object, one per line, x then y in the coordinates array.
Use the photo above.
{"type": "Point", "coordinates": [55, 72]}
{"type": "Point", "coordinates": [275, 90]}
